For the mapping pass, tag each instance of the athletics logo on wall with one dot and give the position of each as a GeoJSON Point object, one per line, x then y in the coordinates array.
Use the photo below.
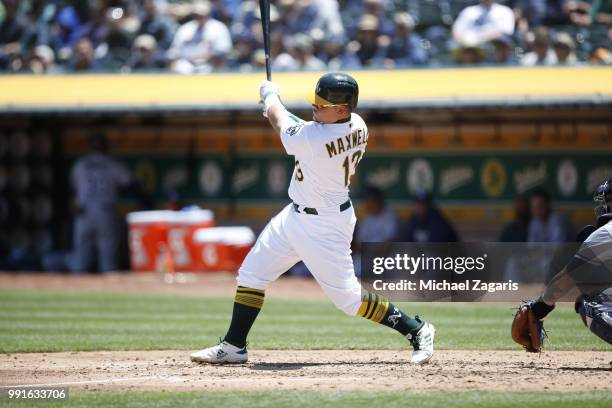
{"type": "Point", "coordinates": [210, 178]}
{"type": "Point", "coordinates": [493, 178]}
{"type": "Point", "coordinates": [420, 176]}
{"type": "Point", "coordinates": [567, 178]}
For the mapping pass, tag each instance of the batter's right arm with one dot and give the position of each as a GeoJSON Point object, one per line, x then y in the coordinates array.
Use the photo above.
{"type": "Point", "coordinates": [274, 110]}
{"type": "Point", "coordinates": [278, 117]}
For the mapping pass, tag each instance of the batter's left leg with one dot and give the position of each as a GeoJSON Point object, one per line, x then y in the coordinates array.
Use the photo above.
{"type": "Point", "coordinates": [270, 257]}
{"type": "Point", "coordinates": [419, 333]}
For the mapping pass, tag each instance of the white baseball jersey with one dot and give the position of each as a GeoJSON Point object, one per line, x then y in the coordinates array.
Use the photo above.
{"type": "Point", "coordinates": [326, 156]}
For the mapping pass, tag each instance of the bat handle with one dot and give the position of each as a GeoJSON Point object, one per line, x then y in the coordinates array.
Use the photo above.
{"type": "Point", "coordinates": [268, 69]}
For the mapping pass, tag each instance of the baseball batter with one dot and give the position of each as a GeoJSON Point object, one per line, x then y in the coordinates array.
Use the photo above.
{"type": "Point", "coordinates": [317, 227]}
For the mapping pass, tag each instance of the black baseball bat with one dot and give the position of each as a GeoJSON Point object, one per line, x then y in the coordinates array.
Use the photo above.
{"type": "Point", "coordinates": [264, 9]}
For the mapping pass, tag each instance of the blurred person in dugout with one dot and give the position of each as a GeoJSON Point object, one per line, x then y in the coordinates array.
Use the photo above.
{"type": "Point", "coordinates": [97, 179]}
{"type": "Point", "coordinates": [546, 224]}
{"type": "Point", "coordinates": [427, 223]}
{"type": "Point", "coordinates": [379, 224]}
{"type": "Point", "coordinates": [516, 230]}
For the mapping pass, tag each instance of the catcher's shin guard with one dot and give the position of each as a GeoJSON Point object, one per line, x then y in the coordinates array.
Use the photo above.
{"type": "Point", "coordinates": [596, 315]}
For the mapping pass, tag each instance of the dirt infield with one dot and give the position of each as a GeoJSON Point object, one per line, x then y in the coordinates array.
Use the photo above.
{"type": "Point", "coordinates": [204, 284]}
{"type": "Point", "coordinates": [309, 370]}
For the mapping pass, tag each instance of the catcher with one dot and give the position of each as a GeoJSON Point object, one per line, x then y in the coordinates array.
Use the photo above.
{"type": "Point", "coordinates": [590, 270]}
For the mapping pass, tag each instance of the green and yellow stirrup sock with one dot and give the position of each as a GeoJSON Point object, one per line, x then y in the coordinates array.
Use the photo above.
{"type": "Point", "coordinates": [247, 304]}
{"type": "Point", "coordinates": [380, 310]}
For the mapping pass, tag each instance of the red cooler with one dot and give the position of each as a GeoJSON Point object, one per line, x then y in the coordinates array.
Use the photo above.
{"type": "Point", "coordinates": [147, 231]}
{"type": "Point", "coordinates": [223, 248]}
{"type": "Point", "coordinates": [183, 248]}
{"type": "Point", "coordinates": [168, 234]}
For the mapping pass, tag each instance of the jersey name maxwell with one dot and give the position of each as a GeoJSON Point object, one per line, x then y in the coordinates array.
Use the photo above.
{"type": "Point", "coordinates": [355, 139]}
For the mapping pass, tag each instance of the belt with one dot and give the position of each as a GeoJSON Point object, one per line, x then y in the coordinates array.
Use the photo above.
{"type": "Point", "coordinates": [313, 211]}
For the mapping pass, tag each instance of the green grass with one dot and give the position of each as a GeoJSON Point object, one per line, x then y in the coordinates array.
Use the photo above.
{"type": "Point", "coordinates": [50, 321]}
{"type": "Point", "coordinates": [293, 399]}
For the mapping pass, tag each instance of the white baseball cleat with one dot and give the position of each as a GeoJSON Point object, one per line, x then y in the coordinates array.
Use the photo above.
{"type": "Point", "coordinates": [422, 343]}
{"type": "Point", "coordinates": [222, 353]}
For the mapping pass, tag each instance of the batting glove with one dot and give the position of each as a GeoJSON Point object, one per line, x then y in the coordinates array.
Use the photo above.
{"type": "Point", "coordinates": [268, 92]}
{"type": "Point", "coordinates": [267, 88]}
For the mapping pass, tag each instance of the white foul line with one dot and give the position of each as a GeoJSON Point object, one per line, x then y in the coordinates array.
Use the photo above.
{"type": "Point", "coordinates": [111, 380]}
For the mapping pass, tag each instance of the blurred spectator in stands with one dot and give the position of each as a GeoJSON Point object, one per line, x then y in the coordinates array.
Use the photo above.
{"type": "Point", "coordinates": [503, 50]}
{"type": "Point", "coordinates": [342, 56]}
{"type": "Point", "coordinates": [12, 30]}
{"type": "Point", "coordinates": [302, 51]}
{"type": "Point", "coordinates": [297, 16]}
{"type": "Point", "coordinates": [259, 59]}
{"type": "Point", "coordinates": [437, 42]}
{"type": "Point", "coordinates": [482, 23]}
{"type": "Point", "coordinates": [216, 62]}
{"type": "Point", "coordinates": [161, 27]}
{"type": "Point", "coordinates": [379, 224]}
{"type": "Point", "coordinates": [469, 55]}
{"type": "Point", "coordinates": [145, 56]}
{"type": "Point", "coordinates": [369, 39]}
{"type": "Point", "coordinates": [97, 179]}
{"type": "Point", "coordinates": [224, 10]}
{"type": "Point", "coordinates": [427, 224]}
{"type": "Point", "coordinates": [601, 56]}
{"type": "Point", "coordinates": [329, 21]}
{"type": "Point", "coordinates": [201, 38]}
{"type": "Point", "coordinates": [42, 60]}
{"type": "Point", "coordinates": [114, 52]}
{"type": "Point", "coordinates": [37, 16]}
{"type": "Point", "coordinates": [534, 13]}
{"type": "Point", "coordinates": [65, 32]}
{"type": "Point", "coordinates": [83, 57]}
{"type": "Point", "coordinates": [277, 43]}
{"type": "Point", "coordinates": [245, 45]}
{"type": "Point", "coordinates": [586, 13]}
{"type": "Point", "coordinates": [96, 28]}
{"type": "Point", "coordinates": [247, 18]}
{"type": "Point", "coordinates": [381, 10]}
{"type": "Point", "coordinates": [176, 64]}
{"type": "Point", "coordinates": [405, 49]}
{"type": "Point", "coordinates": [283, 60]}
{"type": "Point", "coordinates": [538, 44]}
{"type": "Point", "coordinates": [564, 46]}
{"type": "Point", "coordinates": [516, 231]}
{"type": "Point", "coordinates": [547, 225]}
{"type": "Point", "coordinates": [579, 12]}
{"type": "Point", "coordinates": [602, 12]}
{"type": "Point", "coordinates": [350, 12]}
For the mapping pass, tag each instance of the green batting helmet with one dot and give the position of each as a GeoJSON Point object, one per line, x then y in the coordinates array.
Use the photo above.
{"type": "Point", "coordinates": [336, 89]}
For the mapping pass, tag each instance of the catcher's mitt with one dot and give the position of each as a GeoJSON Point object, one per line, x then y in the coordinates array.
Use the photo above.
{"type": "Point", "coordinates": [527, 329]}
